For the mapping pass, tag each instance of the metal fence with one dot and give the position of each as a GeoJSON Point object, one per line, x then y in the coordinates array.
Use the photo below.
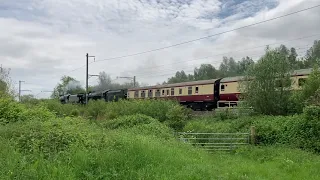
{"type": "Point", "coordinates": [215, 141]}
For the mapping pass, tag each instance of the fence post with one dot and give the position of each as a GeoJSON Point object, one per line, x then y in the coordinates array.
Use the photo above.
{"type": "Point", "coordinates": [253, 135]}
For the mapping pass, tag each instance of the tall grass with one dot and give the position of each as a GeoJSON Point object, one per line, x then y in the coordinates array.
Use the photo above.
{"type": "Point", "coordinates": [297, 131]}
{"type": "Point", "coordinates": [134, 144]}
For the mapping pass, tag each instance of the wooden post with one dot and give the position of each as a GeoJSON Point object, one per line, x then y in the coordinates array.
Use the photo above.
{"type": "Point", "coordinates": [253, 135]}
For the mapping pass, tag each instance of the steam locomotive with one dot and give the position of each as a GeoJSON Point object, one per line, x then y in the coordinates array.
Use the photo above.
{"type": "Point", "coordinates": [107, 95]}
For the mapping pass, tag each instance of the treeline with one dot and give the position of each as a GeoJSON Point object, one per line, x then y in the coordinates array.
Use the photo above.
{"type": "Point", "coordinates": [230, 67]}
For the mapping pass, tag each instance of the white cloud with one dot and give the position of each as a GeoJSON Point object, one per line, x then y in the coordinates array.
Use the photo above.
{"type": "Point", "coordinates": [42, 39]}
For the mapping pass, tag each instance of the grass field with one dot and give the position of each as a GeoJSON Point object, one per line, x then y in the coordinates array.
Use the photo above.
{"type": "Point", "coordinates": [37, 144]}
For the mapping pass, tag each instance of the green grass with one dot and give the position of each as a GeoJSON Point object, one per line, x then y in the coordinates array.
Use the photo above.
{"type": "Point", "coordinates": [131, 156]}
{"type": "Point", "coordinates": [94, 151]}
{"type": "Point", "coordinates": [134, 144]}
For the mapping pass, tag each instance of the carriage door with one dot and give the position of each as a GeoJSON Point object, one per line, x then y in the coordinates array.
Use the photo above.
{"type": "Point", "coordinates": [216, 92]}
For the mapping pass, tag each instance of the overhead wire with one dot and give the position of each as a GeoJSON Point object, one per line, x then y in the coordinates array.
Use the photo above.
{"type": "Point", "coordinates": [229, 52]}
{"type": "Point", "coordinates": [148, 70]}
{"type": "Point", "coordinates": [185, 42]}
{"type": "Point", "coordinates": [190, 68]}
{"type": "Point", "coordinates": [173, 72]}
{"type": "Point", "coordinates": [201, 38]}
{"type": "Point", "coordinates": [205, 37]}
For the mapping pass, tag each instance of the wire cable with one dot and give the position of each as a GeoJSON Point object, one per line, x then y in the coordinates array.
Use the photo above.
{"type": "Point", "coordinates": [205, 37]}
{"type": "Point", "coordinates": [229, 52]}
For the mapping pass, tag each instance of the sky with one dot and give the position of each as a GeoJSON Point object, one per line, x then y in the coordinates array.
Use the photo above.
{"type": "Point", "coordinates": [42, 40]}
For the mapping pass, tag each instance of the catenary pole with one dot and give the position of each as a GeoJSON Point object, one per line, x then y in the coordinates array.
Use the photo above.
{"type": "Point", "coordinates": [87, 77]}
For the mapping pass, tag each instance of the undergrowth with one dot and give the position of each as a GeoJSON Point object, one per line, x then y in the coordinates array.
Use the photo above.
{"type": "Point", "coordinates": [47, 142]}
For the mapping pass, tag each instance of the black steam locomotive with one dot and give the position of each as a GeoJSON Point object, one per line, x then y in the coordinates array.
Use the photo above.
{"type": "Point", "coordinates": [107, 95]}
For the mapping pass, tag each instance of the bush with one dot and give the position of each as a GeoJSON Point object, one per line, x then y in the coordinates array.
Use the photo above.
{"type": "Point", "coordinates": [128, 121]}
{"type": "Point", "coordinates": [49, 138]}
{"type": "Point", "coordinates": [306, 132]}
{"type": "Point", "coordinates": [75, 112]}
{"type": "Point", "coordinates": [10, 111]}
{"type": "Point", "coordinates": [297, 131]}
{"type": "Point", "coordinates": [177, 117]}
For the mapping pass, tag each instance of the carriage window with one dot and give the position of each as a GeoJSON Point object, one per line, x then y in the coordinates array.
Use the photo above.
{"type": "Point", "coordinates": [158, 93]}
{"type": "Point", "coordinates": [136, 94]}
{"type": "Point", "coordinates": [150, 93]}
{"type": "Point", "coordinates": [168, 92]}
{"type": "Point", "coordinates": [180, 91]}
{"type": "Point", "coordinates": [172, 91]}
{"type": "Point", "coordinates": [189, 90]}
{"type": "Point", "coordinates": [222, 87]}
{"type": "Point", "coordinates": [197, 89]}
{"type": "Point", "coordinates": [162, 92]}
{"type": "Point", "coordinates": [302, 81]}
{"type": "Point", "coordinates": [143, 94]}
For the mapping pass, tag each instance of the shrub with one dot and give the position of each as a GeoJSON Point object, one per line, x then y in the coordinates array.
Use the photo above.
{"type": "Point", "coordinates": [49, 138]}
{"type": "Point", "coordinates": [38, 113]}
{"type": "Point", "coordinates": [10, 111]}
{"type": "Point", "coordinates": [224, 114]}
{"type": "Point", "coordinates": [128, 121]}
{"type": "Point", "coordinates": [177, 117]}
{"type": "Point", "coordinates": [75, 112]}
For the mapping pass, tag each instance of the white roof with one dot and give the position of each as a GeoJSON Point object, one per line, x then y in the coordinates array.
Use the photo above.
{"type": "Point", "coordinates": [190, 83]}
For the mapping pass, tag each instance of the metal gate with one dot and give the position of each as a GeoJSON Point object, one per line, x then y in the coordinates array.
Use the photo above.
{"type": "Point", "coordinates": [215, 141]}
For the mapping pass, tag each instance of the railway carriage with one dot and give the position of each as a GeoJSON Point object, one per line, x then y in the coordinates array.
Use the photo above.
{"type": "Point", "coordinates": [229, 91]}
{"type": "Point", "coordinates": [195, 94]}
{"type": "Point", "coordinates": [229, 86]}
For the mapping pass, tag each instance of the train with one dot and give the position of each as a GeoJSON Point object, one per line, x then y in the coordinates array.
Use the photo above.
{"type": "Point", "coordinates": [197, 95]}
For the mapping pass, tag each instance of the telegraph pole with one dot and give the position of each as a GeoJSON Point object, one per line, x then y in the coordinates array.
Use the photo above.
{"type": "Point", "coordinates": [87, 77]}
{"type": "Point", "coordinates": [134, 81]}
{"type": "Point", "coordinates": [21, 90]}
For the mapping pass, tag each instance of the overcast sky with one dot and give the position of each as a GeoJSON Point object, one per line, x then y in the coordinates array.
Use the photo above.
{"type": "Point", "coordinates": [41, 40]}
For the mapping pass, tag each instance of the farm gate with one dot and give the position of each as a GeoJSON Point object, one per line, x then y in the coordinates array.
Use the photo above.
{"type": "Point", "coordinates": [217, 141]}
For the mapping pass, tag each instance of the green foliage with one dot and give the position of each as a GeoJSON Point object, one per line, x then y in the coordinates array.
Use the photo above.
{"type": "Point", "coordinates": [177, 117]}
{"type": "Point", "coordinates": [298, 131]}
{"type": "Point", "coordinates": [128, 121]}
{"type": "Point", "coordinates": [139, 124]}
{"type": "Point", "coordinates": [133, 146]}
{"type": "Point", "coordinates": [205, 71]}
{"type": "Point", "coordinates": [224, 114]}
{"type": "Point", "coordinates": [266, 86]}
{"type": "Point", "coordinates": [10, 111]}
{"type": "Point", "coordinates": [75, 112]}
{"type": "Point", "coordinates": [309, 95]}
{"type": "Point", "coordinates": [49, 138]}
{"type": "Point", "coordinates": [312, 84]}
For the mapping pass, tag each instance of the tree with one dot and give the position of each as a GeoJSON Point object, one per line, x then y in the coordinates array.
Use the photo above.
{"type": "Point", "coordinates": [312, 84]}
{"type": "Point", "coordinates": [244, 65]}
{"type": "Point", "coordinates": [180, 76]}
{"type": "Point", "coordinates": [266, 86]}
{"type": "Point", "coordinates": [6, 82]}
{"type": "Point", "coordinates": [206, 71]}
{"type": "Point", "coordinates": [313, 55]}
{"type": "Point", "coordinates": [29, 98]}
{"type": "Point", "coordinates": [68, 85]}
{"type": "Point", "coordinates": [228, 67]}
{"type": "Point", "coordinates": [293, 59]}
